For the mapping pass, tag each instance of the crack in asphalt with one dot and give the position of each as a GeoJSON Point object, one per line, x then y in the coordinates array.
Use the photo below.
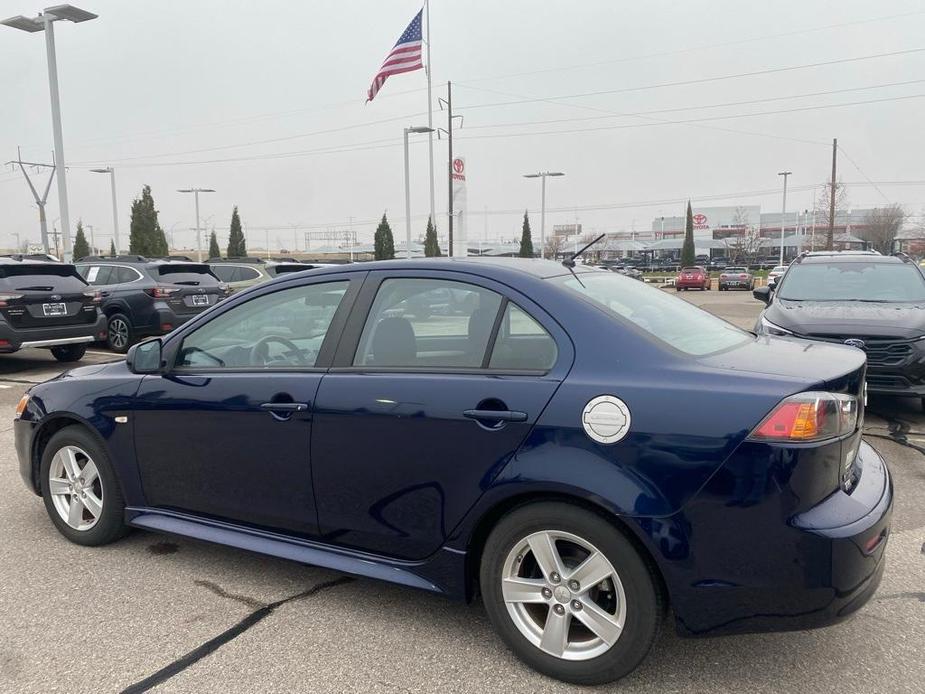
{"type": "Point", "coordinates": [899, 432]}
{"type": "Point", "coordinates": [213, 644]}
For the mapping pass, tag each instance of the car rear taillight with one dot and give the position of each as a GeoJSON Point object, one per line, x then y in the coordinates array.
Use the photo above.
{"type": "Point", "coordinates": [161, 292]}
{"type": "Point", "coordinates": [5, 299]}
{"type": "Point", "coordinates": [225, 289]}
{"type": "Point", "coordinates": [95, 297]}
{"type": "Point", "coordinates": [742, 277]}
{"type": "Point", "coordinates": [811, 416]}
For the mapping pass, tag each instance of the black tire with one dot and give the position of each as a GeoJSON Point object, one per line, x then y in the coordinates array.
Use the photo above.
{"type": "Point", "coordinates": [69, 352]}
{"type": "Point", "coordinates": [119, 336]}
{"type": "Point", "coordinates": [645, 605]}
{"type": "Point", "coordinates": [109, 526]}
{"type": "Point", "coordinates": [677, 289]}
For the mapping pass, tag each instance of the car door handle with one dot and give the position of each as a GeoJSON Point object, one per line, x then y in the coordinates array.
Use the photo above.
{"type": "Point", "coordinates": [496, 415]}
{"type": "Point", "coordinates": [284, 406]}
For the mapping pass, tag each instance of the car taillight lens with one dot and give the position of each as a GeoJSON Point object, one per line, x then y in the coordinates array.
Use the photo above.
{"type": "Point", "coordinates": [5, 299]}
{"type": "Point", "coordinates": [161, 292]}
{"type": "Point", "coordinates": [742, 277]}
{"type": "Point", "coordinates": [811, 416]}
{"type": "Point", "coordinates": [95, 297]}
{"type": "Point", "coordinates": [225, 289]}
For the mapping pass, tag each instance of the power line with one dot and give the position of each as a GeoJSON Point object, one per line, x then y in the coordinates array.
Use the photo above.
{"type": "Point", "coordinates": [866, 177]}
{"type": "Point", "coordinates": [699, 80]}
{"type": "Point", "coordinates": [681, 51]}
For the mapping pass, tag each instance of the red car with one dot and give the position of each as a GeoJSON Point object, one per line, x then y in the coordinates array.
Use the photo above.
{"type": "Point", "coordinates": [692, 278]}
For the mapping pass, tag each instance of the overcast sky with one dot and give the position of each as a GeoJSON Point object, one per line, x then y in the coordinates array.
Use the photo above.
{"type": "Point", "coordinates": [164, 89]}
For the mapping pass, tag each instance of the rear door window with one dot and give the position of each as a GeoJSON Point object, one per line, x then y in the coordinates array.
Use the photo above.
{"type": "Point", "coordinates": [522, 344]}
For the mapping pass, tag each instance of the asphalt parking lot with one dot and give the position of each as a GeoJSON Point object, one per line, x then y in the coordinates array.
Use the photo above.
{"type": "Point", "coordinates": [181, 616]}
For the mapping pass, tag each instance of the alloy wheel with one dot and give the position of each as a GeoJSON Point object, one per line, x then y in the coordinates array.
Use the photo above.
{"type": "Point", "coordinates": [75, 487]}
{"type": "Point", "coordinates": [563, 595]}
{"type": "Point", "coordinates": [118, 333]}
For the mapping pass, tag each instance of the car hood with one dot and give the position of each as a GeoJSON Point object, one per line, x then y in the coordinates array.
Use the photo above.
{"type": "Point", "coordinates": [111, 368]}
{"type": "Point", "coordinates": [848, 318]}
{"type": "Point", "coordinates": [802, 361]}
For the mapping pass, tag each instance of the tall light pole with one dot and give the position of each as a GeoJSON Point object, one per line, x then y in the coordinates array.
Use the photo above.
{"type": "Point", "coordinates": [115, 211]}
{"type": "Point", "coordinates": [783, 212]}
{"type": "Point", "coordinates": [543, 175]}
{"type": "Point", "coordinates": [45, 22]}
{"type": "Point", "coordinates": [196, 192]}
{"type": "Point", "coordinates": [408, 131]}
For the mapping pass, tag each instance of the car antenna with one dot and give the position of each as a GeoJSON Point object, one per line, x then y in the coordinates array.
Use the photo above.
{"type": "Point", "coordinates": [570, 262]}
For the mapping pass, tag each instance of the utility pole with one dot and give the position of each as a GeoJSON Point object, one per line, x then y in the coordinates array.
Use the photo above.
{"type": "Point", "coordinates": [830, 234]}
{"type": "Point", "coordinates": [783, 215]}
{"type": "Point", "coordinates": [196, 192]}
{"type": "Point", "coordinates": [40, 200]}
{"type": "Point", "coordinates": [92, 241]}
{"type": "Point", "coordinates": [449, 166]}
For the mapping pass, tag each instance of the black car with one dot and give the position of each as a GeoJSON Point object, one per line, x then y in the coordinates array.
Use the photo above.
{"type": "Point", "coordinates": [862, 299]}
{"type": "Point", "coordinates": [44, 304]}
{"type": "Point", "coordinates": [147, 296]}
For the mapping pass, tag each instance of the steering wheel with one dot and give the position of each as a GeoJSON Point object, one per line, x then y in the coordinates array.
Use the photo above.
{"type": "Point", "coordinates": [260, 351]}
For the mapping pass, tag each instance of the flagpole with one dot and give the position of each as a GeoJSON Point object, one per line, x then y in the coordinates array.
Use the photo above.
{"type": "Point", "coordinates": [430, 119]}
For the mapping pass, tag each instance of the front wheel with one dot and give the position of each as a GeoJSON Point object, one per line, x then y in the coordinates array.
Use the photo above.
{"type": "Point", "coordinates": [80, 489]}
{"type": "Point", "coordinates": [67, 353]}
{"type": "Point", "coordinates": [569, 593]}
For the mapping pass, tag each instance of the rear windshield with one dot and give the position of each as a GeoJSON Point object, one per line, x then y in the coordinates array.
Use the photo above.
{"type": "Point", "coordinates": [41, 277]}
{"type": "Point", "coordinates": [669, 319]}
{"type": "Point", "coordinates": [735, 269]}
{"type": "Point", "coordinates": [191, 274]}
{"type": "Point", "coordinates": [691, 269]}
{"type": "Point", "coordinates": [853, 281]}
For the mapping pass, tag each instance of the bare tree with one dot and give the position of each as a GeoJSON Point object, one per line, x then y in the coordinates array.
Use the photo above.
{"type": "Point", "coordinates": [554, 246]}
{"type": "Point", "coordinates": [822, 204]}
{"type": "Point", "coordinates": [881, 226]}
{"type": "Point", "coordinates": [744, 248]}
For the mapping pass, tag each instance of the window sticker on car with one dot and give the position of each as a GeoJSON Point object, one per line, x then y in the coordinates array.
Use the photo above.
{"type": "Point", "coordinates": [94, 271]}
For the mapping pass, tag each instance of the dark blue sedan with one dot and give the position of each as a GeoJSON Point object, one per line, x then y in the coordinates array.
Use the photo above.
{"type": "Point", "coordinates": [582, 450]}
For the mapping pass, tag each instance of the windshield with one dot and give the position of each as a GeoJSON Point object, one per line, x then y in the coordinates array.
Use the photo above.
{"type": "Point", "coordinates": [780, 268]}
{"type": "Point", "coordinates": [854, 281]}
{"type": "Point", "coordinates": [669, 319]}
{"type": "Point", "coordinates": [735, 269]}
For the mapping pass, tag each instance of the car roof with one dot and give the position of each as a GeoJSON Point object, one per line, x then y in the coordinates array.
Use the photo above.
{"type": "Point", "coordinates": [490, 267]}
{"type": "Point", "coordinates": [821, 257]}
{"type": "Point", "coordinates": [138, 260]}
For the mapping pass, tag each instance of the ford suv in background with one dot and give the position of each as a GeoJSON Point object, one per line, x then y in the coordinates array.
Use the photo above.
{"type": "Point", "coordinates": [240, 273]}
{"type": "Point", "coordinates": [145, 296]}
{"type": "Point", "coordinates": [859, 298]}
{"type": "Point", "coordinates": [44, 304]}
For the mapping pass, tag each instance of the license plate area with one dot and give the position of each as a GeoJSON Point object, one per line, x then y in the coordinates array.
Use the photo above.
{"type": "Point", "coordinates": [53, 310]}
{"type": "Point", "coordinates": [200, 300]}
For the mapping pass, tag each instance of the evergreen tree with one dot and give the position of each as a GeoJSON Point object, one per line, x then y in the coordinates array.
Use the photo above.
{"type": "Point", "coordinates": [81, 247]}
{"type": "Point", "coordinates": [146, 236]}
{"type": "Point", "coordinates": [112, 247]}
{"type": "Point", "coordinates": [688, 254]}
{"type": "Point", "coordinates": [431, 245]}
{"type": "Point", "coordinates": [385, 244]}
{"type": "Point", "coordinates": [526, 239]}
{"type": "Point", "coordinates": [214, 250]}
{"type": "Point", "coordinates": [237, 248]}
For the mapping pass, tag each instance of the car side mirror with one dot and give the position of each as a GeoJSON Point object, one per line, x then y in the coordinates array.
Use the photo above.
{"type": "Point", "coordinates": [145, 357]}
{"type": "Point", "coordinates": [762, 294]}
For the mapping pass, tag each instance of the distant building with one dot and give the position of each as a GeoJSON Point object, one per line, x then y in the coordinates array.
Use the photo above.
{"type": "Point", "coordinates": [566, 230]}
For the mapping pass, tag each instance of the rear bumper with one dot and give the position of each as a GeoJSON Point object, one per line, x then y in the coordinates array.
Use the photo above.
{"type": "Point", "coordinates": [757, 571]}
{"type": "Point", "coordinates": [690, 284]}
{"type": "Point", "coordinates": [52, 336]}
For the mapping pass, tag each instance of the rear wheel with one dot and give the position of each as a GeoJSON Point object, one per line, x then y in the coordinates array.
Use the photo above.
{"type": "Point", "coordinates": [69, 352]}
{"type": "Point", "coordinates": [552, 590]}
{"type": "Point", "coordinates": [80, 489]}
{"type": "Point", "coordinates": [119, 337]}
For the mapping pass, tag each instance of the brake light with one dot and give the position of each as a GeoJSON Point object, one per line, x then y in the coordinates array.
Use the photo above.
{"type": "Point", "coordinates": [161, 292]}
{"type": "Point", "coordinates": [95, 297]}
{"type": "Point", "coordinates": [811, 416]}
{"type": "Point", "coordinates": [5, 299]}
{"type": "Point", "coordinates": [742, 277]}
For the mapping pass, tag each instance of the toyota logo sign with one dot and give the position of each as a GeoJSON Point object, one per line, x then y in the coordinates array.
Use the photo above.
{"type": "Point", "coordinates": [458, 166]}
{"type": "Point", "coordinates": [700, 219]}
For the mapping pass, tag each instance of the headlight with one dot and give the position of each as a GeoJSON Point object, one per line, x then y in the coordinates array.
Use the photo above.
{"type": "Point", "coordinates": [769, 328]}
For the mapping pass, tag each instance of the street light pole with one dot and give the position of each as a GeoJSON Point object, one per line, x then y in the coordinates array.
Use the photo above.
{"type": "Point", "coordinates": [196, 192]}
{"type": "Point", "coordinates": [115, 212]}
{"type": "Point", "coordinates": [783, 212]}
{"type": "Point", "coordinates": [543, 175]}
{"type": "Point", "coordinates": [408, 131]}
{"type": "Point", "coordinates": [45, 22]}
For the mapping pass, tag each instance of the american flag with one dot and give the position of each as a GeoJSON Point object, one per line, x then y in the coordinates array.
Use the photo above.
{"type": "Point", "coordinates": [405, 56]}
